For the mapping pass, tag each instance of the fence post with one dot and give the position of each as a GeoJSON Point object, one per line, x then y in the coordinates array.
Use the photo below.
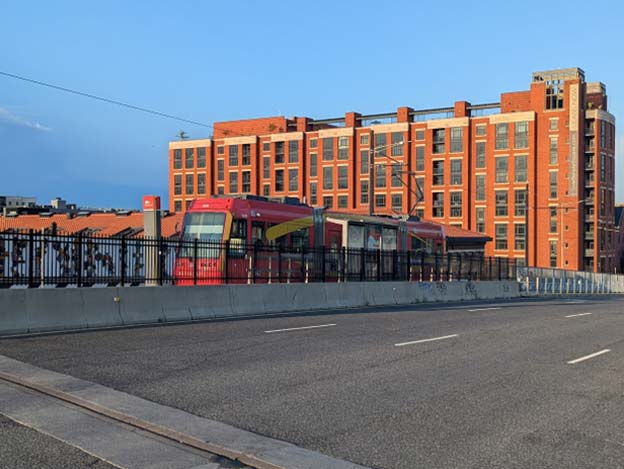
{"type": "Point", "coordinates": [279, 263]}
{"type": "Point", "coordinates": [31, 258]}
{"type": "Point", "coordinates": [362, 265]}
{"type": "Point", "coordinates": [422, 266]}
{"type": "Point", "coordinates": [323, 248]}
{"type": "Point", "coordinates": [79, 261]}
{"type": "Point", "coordinates": [378, 264]}
{"type": "Point", "coordinates": [490, 268]}
{"type": "Point", "coordinates": [449, 275]}
{"type": "Point", "coordinates": [436, 276]}
{"type": "Point", "coordinates": [195, 251]}
{"type": "Point", "coordinates": [343, 262]}
{"type": "Point", "coordinates": [498, 261]}
{"type": "Point", "coordinates": [303, 262]}
{"type": "Point", "coordinates": [226, 257]}
{"type": "Point", "coordinates": [123, 261]}
{"type": "Point", "coordinates": [459, 270]}
{"type": "Point", "coordinates": [409, 266]}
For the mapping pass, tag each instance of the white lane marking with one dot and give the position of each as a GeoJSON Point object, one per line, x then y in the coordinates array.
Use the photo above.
{"type": "Point", "coordinates": [299, 328]}
{"type": "Point", "coordinates": [482, 309]}
{"type": "Point", "coordinates": [587, 357]}
{"type": "Point", "coordinates": [426, 340]}
{"type": "Point", "coordinates": [575, 302]}
{"type": "Point", "coordinates": [576, 315]}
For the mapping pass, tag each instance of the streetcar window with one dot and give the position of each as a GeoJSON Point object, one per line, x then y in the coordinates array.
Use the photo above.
{"type": "Point", "coordinates": [207, 229]}
{"type": "Point", "coordinates": [300, 238]}
{"type": "Point", "coordinates": [257, 233]}
{"type": "Point", "coordinates": [355, 236]}
{"type": "Point", "coordinates": [373, 240]}
{"type": "Point", "coordinates": [389, 239]}
{"type": "Point", "coordinates": [238, 237]}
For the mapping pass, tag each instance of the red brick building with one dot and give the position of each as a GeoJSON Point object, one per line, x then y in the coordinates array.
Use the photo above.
{"type": "Point", "coordinates": [534, 171]}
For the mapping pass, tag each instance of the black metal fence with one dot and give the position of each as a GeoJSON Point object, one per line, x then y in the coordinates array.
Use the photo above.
{"type": "Point", "coordinates": [36, 260]}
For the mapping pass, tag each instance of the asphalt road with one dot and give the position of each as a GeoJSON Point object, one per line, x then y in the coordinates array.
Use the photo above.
{"type": "Point", "coordinates": [494, 390]}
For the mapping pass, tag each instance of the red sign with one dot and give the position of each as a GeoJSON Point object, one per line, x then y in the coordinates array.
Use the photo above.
{"type": "Point", "coordinates": [151, 202]}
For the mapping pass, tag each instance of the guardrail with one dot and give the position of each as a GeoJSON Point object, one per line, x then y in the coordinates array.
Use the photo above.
{"type": "Point", "coordinates": [547, 281]}
{"type": "Point", "coordinates": [35, 259]}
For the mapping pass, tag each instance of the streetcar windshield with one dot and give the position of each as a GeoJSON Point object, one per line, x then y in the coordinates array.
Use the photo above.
{"type": "Point", "coordinates": [207, 228]}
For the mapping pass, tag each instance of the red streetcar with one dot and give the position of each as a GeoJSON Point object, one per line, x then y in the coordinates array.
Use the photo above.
{"type": "Point", "coordinates": [251, 239]}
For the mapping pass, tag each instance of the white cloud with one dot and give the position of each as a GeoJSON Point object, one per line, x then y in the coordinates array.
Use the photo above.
{"type": "Point", "coordinates": [12, 118]}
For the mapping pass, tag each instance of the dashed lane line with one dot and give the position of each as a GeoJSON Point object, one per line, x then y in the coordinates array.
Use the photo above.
{"type": "Point", "coordinates": [483, 309]}
{"type": "Point", "coordinates": [426, 340]}
{"type": "Point", "coordinates": [299, 328]}
{"type": "Point", "coordinates": [587, 357]}
{"type": "Point", "coordinates": [577, 315]}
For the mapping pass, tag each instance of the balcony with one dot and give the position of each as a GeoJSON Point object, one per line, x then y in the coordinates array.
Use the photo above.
{"type": "Point", "coordinates": [589, 253]}
{"type": "Point", "coordinates": [590, 148]}
{"type": "Point", "coordinates": [589, 201]}
{"type": "Point", "coordinates": [589, 180]}
{"type": "Point", "coordinates": [589, 236]}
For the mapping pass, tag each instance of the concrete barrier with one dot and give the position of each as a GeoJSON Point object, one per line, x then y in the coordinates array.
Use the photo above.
{"type": "Point", "coordinates": [39, 310]}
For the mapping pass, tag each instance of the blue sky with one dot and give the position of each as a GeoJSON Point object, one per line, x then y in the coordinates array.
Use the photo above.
{"type": "Point", "coordinates": [212, 61]}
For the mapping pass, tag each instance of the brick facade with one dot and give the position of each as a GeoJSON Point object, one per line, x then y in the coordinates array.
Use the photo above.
{"type": "Point", "coordinates": [465, 165]}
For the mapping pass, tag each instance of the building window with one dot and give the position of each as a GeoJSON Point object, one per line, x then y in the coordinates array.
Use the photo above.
{"type": "Point", "coordinates": [553, 253]}
{"type": "Point", "coordinates": [397, 202]}
{"type": "Point", "coordinates": [233, 183]}
{"type": "Point", "coordinates": [177, 206]}
{"type": "Point", "coordinates": [480, 130]}
{"type": "Point", "coordinates": [266, 167]}
{"type": "Point", "coordinates": [554, 123]}
{"type": "Point", "coordinates": [520, 169]}
{"type": "Point", "coordinates": [603, 167]}
{"type": "Point", "coordinates": [420, 188]}
{"type": "Point", "coordinates": [456, 204]}
{"type": "Point", "coordinates": [396, 175]}
{"type": "Point", "coordinates": [328, 201]}
{"type": "Point", "coordinates": [364, 139]}
{"type": "Point", "coordinates": [554, 147]}
{"type": "Point", "coordinates": [380, 145]}
{"type": "Point", "coordinates": [246, 181]}
{"type": "Point", "coordinates": [266, 190]}
{"type": "Point", "coordinates": [501, 203]}
{"type": "Point", "coordinates": [480, 187]}
{"type": "Point", "coordinates": [603, 134]}
{"type": "Point", "coordinates": [380, 200]}
{"type": "Point", "coordinates": [279, 180]}
{"type": "Point", "coordinates": [343, 178]}
{"type": "Point", "coordinates": [480, 155]}
{"type": "Point", "coordinates": [201, 184]}
{"type": "Point", "coordinates": [501, 169]}
{"type": "Point", "coordinates": [201, 157]}
{"type": "Point", "coordinates": [364, 162]}
{"type": "Point", "coordinates": [187, 203]}
{"type": "Point", "coordinates": [189, 157]}
{"type": "Point", "coordinates": [520, 202]}
{"type": "Point", "coordinates": [343, 201]}
{"type": "Point", "coordinates": [328, 178]}
{"type": "Point", "coordinates": [420, 135]}
{"type": "Point", "coordinates": [480, 218]}
{"type": "Point", "coordinates": [420, 213]}
{"type": "Point", "coordinates": [397, 144]}
{"type": "Point", "coordinates": [221, 150]}
{"type": "Point", "coordinates": [246, 154]}
{"type": "Point", "coordinates": [177, 184]}
{"type": "Point", "coordinates": [233, 152]}
{"type": "Point", "coordinates": [456, 172]}
{"type": "Point", "coordinates": [313, 165]}
{"type": "Point", "coordinates": [553, 184]}
{"type": "Point", "coordinates": [552, 213]}
{"type": "Point", "coordinates": [420, 158]}
{"type": "Point", "coordinates": [220, 169]}
{"type": "Point", "coordinates": [438, 204]}
{"type": "Point", "coordinates": [554, 94]}
{"type": "Point", "coordinates": [279, 152]}
{"type": "Point", "coordinates": [328, 149]}
{"type": "Point", "coordinates": [457, 139]}
{"type": "Point", "coordinates": [189, 184]}
{"type": "Point", "coordinates": [439, 136]}
{"type": "Point", "coordinates": [501, 236]}
{"type": "Point", "coordinates": [266, 147]}
{"type": "Point", "coordinates": [521, 135]}
{"type": "Point", "coordinates": [293, 180]}
{"type": "Point", "coordinates": [313, 143]}
{"type": "Point", "coordinates": [293, 151]}
{"type": "Point", "coordinates": [343, 148]}
{"type": "Point", "coordinates": [438, 173]}
{"type": "Point", "coordinates": [363, 192]}
{"type": "Point", "coordinates": [502, 136]}
{"type": "Point", "coordinates": [313, 193]}
{"type": "Point", "coordinates": [519, 236]}
{"type": "Point", "coordinates": [177, 159]}
{"type": "Point", "coordinates": [220, 190]}
{"type": "Point", "coordinates": [380, 175]}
